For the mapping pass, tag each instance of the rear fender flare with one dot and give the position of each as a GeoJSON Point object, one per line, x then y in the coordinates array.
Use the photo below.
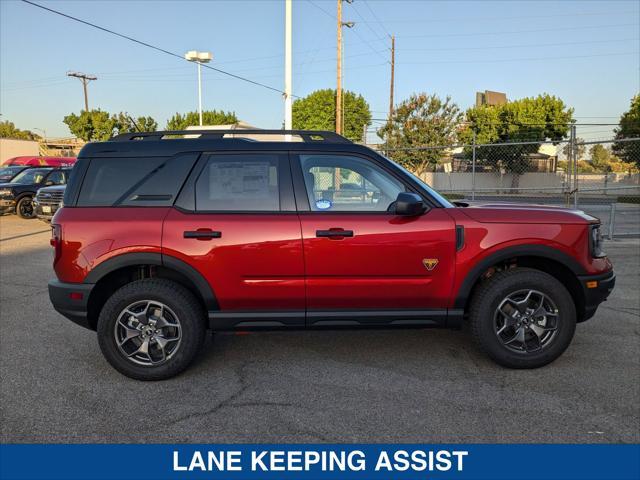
{"type": "Point", "coordinates": [146, 258]}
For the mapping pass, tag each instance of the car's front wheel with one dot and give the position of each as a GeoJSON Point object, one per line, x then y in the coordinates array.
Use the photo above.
{"type": "Point", "coordinates": [25, 208]}
{"type": "Point", "coordinates": [522, 318]}
{"type": "Point", "coordinates": [151, 329]}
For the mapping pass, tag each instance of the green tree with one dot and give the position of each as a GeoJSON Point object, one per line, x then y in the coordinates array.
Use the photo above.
{"type": "Point", "coordinates": [531, 120]}
{"type": "Point", "coordinates": [209, 117]}
{"type": "Point", "coordinates": [600, 158]}
{"type": "Point", "coordinates": [421, 120]}
{"type": "Point", "coordinates": [629, 127]}
{"type": "Point", "coordinates": [92, 125]}
{"type": "Point", "coordinates": [127, 124]}
{"type": "Point", "coordinates": [9, 130]}
{"type": "Point", "coordinates": [317, 111]}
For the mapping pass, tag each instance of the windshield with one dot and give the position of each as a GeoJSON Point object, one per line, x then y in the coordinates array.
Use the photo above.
{"type": "Point", "coordinates": [32, 175]}
{"type": "Point", "coordinates": [439, 198]}
{"type": "Point", "coordinates": [9, 171]}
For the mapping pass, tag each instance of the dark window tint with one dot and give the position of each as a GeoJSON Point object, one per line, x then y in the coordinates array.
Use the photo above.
{"type": "Point", "coordinates": [57, 177]}
{"type": "Point", "coordinates": [247, 182]}
{"type": "Point", "coordinates": [150, 181]}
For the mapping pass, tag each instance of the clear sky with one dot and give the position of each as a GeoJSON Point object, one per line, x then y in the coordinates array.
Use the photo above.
{"type": "Point", "coordinates": [585, 52]}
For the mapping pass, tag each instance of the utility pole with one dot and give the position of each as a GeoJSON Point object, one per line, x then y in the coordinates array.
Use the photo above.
{"type": "Point", "coordinates": [85, 79]}
{"type": "Point", "coordinates": [288, 118]}
{"type": "Point", "coordinates": [574, 158]}
{"type": "Point", "coordinates": [339, 73]}
{"type": "Point", "coordinates": [339, 114]}
{"type": "Point", "coordinates": [393, 64]}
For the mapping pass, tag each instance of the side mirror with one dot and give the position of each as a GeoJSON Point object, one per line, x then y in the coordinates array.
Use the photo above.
{"type": "Point", "coordinates": [409, 205]}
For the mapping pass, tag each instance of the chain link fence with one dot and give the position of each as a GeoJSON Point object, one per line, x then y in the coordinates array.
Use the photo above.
{"type": "Point", "coordinates": [601, 178]}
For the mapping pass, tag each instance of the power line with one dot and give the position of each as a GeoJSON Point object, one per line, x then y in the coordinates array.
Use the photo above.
{"type": "Point", "coordinates": [505, 60]}
{"type": "Point", "coordinates": [378, 21]}
{"type": "Point", "coordinates": [330, 15]}
{"type": "Point", "coordinates": [361, 38]}
{"type": "Point", "coordinates": [517, 45]}
{"type": "Point", "coordinates": [148, 45]}
{"type": "Point", "coordinates": [364, 22]}
{"type": "Point", "coordinates": [556, 29]}
{"type": "Point", "coordinates": [526, 17]}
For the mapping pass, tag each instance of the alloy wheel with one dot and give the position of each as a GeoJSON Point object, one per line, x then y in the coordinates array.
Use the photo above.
{"type": "Point", "coordinates": [526, 321]}
{"type": "Point", "coordinates": [26, 208]}
{"type": "Point", "coordinates": [148, 332]}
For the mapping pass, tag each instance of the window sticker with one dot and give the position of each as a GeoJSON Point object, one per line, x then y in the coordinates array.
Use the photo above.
{"type": "Point", "coordinates": [233, 179]}
{"type": "Point", "coordinates": [323, 204]}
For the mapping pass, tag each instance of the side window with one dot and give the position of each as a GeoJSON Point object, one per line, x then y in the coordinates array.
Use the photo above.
{"type": "Point", "coordinates": [348, 184]}
{"type": "Point", "coordinates": [56, 178]}
{"type": "Point", "coordinates": [140, 182]}
{"type": "Point", "coordinates": [239, 182]}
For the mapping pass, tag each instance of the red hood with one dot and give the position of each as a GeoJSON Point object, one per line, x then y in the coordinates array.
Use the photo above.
{"type": "Point", "coordinates": [498, 212]}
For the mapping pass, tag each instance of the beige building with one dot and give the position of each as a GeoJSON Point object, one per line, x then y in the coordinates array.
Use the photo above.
{"type": "Point", "coordinates": [490, 98]}
{"type": "Point", "coordinates": [11, 147]}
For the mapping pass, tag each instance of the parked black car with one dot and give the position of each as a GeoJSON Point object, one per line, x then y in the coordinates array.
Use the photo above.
{"type": "Point", "coordinates": [8, 173]}
{"type": "Point", "coordinates": [17, 195]}
{"type": "Point", "coordinates": [47, 202]}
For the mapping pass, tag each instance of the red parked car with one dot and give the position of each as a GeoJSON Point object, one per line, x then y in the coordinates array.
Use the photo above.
{"type": "Point", "coordinates": [40, 161]}
{"type": "Point", "coordinates": [161, 238]}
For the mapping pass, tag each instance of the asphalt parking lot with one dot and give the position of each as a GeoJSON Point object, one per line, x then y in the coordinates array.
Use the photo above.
{"type": "Point", "coordinates": [320, 386]}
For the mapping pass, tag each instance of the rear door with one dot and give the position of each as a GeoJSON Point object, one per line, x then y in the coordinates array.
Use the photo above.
{"type": "Point", "coordinates": [364, 264]}
{"type": "Point", "coordinates": [235, 222]}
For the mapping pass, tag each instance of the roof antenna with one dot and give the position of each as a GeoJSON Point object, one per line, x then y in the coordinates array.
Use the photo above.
{"type": "Point", "coordinates": [134, 123]}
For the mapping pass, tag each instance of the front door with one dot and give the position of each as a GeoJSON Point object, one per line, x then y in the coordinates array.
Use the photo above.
{"type": "Point", "coordinates": [243, 236]}
{"type": "Point", "coordinates": [365, 264]}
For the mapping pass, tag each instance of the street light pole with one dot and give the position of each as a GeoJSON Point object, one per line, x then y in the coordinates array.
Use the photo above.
{"type": "Point", "coordinates": [199, 58]}
{"type": "Point", "coordinates": [43, 131]}
{"type": "Point", "coordinates": [339, 72]}
{"type": "Point", "coordinates": [200, 91]}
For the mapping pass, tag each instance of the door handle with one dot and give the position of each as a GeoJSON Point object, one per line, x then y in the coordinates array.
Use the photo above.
{"type": "Point", "coordinates": [202, 234]}
{"type": "Point", "coordinates": [334, 233]}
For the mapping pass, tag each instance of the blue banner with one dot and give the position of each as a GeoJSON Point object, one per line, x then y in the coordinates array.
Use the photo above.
{"type": "Point", "coordinates": [322, 461]}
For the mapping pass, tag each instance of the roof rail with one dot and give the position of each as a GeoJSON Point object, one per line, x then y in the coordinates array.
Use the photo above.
{"type": "Point", "coordinates": [308, 136]}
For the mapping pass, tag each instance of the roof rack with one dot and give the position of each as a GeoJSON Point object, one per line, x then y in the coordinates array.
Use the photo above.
{"type": "Point", "coordinates": [308, 136]}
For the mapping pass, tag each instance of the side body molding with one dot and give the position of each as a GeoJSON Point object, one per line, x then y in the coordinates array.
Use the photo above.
{"type": "Point", "coordinates": [541, 251]}
{"type": "Point", "coordinates": [131, 259]}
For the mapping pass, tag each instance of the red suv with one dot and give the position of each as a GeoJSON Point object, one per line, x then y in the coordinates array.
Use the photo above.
{"type": "Point", "coordinates": [164, 235]}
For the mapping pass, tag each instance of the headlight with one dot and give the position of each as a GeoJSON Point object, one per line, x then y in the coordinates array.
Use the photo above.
{"type": "Point", "coordinates": [595, 242]}
{"type": "Point", "coordinates": [6, 192]}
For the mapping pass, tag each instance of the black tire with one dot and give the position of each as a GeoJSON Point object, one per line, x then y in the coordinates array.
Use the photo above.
{"type": "Point", "coordinates": [483, 317]}
{"type": "Point", "coordinates": [187, 309]}
{"type": "Point", "coordinates": [25, 208]}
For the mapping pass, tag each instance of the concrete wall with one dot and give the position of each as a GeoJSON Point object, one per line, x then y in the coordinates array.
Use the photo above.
{"type": "Point", "coordinates": [532, 182]}
{"type": "Point", "coordinates": [10, 148]}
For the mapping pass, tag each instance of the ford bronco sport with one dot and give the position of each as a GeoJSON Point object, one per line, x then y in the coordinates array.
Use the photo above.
{"type": "Point", "coordinates": [163, 236]}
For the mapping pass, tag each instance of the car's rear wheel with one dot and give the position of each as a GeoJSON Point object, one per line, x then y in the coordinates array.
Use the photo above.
{"type": "Point", "coordinates": [151, 329]}
{"type": "Point", "coordinates": [25, 208]}
{"type": "Point", "coordinates": [522, 318]}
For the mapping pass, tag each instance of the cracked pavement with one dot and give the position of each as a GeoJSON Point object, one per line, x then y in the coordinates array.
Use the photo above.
{"type": "Point", "coordinates": [320, 386]}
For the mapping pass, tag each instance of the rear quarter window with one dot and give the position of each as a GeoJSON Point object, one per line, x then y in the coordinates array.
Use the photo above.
{"type": "Point", "coordinates": [141, 182]}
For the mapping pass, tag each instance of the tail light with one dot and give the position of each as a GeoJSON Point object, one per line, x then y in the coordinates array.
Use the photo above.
{"type": "Point", "coordinates": [56, 241]}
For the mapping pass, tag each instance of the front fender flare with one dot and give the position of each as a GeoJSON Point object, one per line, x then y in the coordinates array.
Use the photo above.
{"type": "Point", "coordinates": [541, 251]}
